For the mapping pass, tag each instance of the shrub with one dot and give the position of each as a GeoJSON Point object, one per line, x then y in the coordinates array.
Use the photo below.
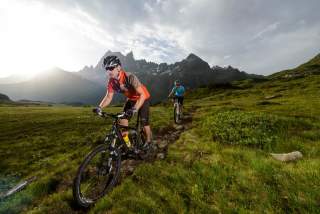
{"type": "Point", "coordinates": [243, 128]}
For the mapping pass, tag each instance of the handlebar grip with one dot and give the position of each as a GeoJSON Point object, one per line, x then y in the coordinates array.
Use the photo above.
{"type": "Point", "coordinates": [119, 115]}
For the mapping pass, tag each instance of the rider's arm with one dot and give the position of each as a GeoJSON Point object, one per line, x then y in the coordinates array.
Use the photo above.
{"type": "Point", "coordinates": [172, 91]}
{"type": "Point", "coordinates": [184, 91]}
{"type": "Point", "coordinates": [106, 100]}
{"type": "Point", "coordinates": [141, 99]}
{"type": "Point", "coordinates": [134, 81]}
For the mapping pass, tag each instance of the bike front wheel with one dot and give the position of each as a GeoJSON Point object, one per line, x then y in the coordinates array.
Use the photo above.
{"type": "Point", "coordinates": [97, 175]}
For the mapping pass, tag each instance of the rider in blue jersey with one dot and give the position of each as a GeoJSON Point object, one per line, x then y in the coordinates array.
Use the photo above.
{"type": "Point", "coordinates": [178, 91]}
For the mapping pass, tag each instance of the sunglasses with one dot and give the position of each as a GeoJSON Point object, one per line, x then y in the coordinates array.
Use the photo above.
{"type": "Point", "coordinates": [110, 68]}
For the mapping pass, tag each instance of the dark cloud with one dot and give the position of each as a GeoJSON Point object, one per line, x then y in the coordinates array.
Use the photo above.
{"type": "Point", "coordinates": [256, 35]}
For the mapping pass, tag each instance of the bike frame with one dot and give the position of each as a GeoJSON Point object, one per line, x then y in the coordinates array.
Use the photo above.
{"type": "Point", "coordinates": [117, 133]}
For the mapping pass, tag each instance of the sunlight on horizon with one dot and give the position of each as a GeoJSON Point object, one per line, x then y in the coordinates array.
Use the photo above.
{"type": "Point", "coordinates": [35, 38]}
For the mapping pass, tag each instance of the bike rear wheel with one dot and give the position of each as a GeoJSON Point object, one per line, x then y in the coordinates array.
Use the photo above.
{"type": "Point", "coordinates": [97, 175]}
{"type": "Point", "coordinates": [138, 139]}
{"type": "Point", "coordinates": [176, 114]}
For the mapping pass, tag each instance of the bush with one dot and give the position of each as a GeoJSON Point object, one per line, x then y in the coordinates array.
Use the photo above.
{"type": "Point", "coordinates": [243, 128]}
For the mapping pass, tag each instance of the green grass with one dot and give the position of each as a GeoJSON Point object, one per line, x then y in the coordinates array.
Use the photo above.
{"type": "Point", "coordinates": [220, 165]}
{"type": "Point", "coordinates": [50, 143]}
{"type": "Point", "coordinates": [203, 177]}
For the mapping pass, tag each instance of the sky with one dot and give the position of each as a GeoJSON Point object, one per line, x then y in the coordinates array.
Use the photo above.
{"type": "Point", "coordinates": [256, 36]}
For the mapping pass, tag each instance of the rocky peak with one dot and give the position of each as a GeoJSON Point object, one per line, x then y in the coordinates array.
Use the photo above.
{"type": "Point", "coordinates": [193, 57]}
{"type": "Point", "coordinates": [130, 55]}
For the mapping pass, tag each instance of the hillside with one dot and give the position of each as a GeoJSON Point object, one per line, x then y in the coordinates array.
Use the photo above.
{"type": "Point", "coordinates": [308, 68]}
{"type": "Point", "coordinates": [219, 164]}
{"type": "Point", "coordinates": [56, 86]}
{"type": "Point", "coordinates": [4, 98]}
{"type": "Point", "coordinates": [13, 79]}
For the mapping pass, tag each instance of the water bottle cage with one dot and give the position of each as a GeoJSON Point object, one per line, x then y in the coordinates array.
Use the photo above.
{"type": "Point", "coordinates": [111, 148]}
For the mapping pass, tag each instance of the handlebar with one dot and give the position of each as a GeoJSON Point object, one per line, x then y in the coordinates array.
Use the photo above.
{"type": "Point", "coordinates": [115, 116]}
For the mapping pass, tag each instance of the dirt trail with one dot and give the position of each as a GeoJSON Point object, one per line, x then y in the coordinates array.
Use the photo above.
{"type": "Point", "coordinates": [162, 140]}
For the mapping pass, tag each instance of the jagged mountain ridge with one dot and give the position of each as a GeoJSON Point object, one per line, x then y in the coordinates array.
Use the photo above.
{"type": "Point", "coordinates": [192, 72]}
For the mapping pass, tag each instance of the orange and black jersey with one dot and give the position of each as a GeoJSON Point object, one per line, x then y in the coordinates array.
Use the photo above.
{"type": "Point", "coordinates": [127, 84]}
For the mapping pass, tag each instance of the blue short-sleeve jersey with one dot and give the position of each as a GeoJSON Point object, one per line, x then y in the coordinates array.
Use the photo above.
{"type": "Point", "coordinates": [178, 91]}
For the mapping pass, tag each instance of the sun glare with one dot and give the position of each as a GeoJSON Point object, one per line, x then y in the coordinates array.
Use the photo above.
{"type": "Point", "coordinates": [31, 39]}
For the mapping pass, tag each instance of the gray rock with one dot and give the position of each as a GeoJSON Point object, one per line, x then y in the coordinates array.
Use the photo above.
{"type": "Point", "coordinates": [160, 156]}
{"type": "Point", "coordinates": [286, 157]}
{"type": "Point", "coordinates": [273, 96]}
{"type": "Point", "coordinates": [130, 169]}
{"type": "Point", "coordinates": [162, 144]}
{"type": "Point", "coordinates": [178, 127]}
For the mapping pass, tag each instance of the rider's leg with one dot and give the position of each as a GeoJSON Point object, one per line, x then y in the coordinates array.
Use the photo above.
{"type": "Point", "coordinates": [125, 122]}
{"type": "Point", "coordinates": [181, 105]}
{"type": "Point", "coordinates": [144, 116]}
{"type": "Point", "coordinates": [147, 131]}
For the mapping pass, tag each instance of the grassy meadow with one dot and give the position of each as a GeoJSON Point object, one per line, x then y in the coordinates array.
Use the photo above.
{"type": "Point", "coordinates": [50, 143]}
{"type": "Point", "coordinates": [221, 164]}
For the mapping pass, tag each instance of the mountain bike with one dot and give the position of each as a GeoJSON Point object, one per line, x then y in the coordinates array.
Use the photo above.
{"type": "Point", "coordinates": [177, 110]}
{"type": "Point", "coordinates": [99, 171]}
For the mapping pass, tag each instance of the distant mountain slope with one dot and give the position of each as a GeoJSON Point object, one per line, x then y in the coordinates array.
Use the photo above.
{"type": "Point", "coordinates": [57, 86]}
{"type": "Point", "coordinates": [13, 79]}
{"type": "Point", "coordinates": [4, 98]}
{"type": "Point", "coordinates": [308, 68]}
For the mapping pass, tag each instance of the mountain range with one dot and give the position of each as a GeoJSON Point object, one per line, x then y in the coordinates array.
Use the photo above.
{"type": "Point", "coordinates": [87, 86]}
{"type": "Point", "coordinates": [55, 85]}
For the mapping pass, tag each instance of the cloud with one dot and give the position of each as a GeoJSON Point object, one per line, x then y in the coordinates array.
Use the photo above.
{"type": "Point", "coordinates": [261, 36]}
{"type": "Point", "coordinates": [270, 28]}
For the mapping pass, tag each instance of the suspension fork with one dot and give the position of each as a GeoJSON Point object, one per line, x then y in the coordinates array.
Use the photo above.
{"type": "Point", "coordinates": [113, 138]}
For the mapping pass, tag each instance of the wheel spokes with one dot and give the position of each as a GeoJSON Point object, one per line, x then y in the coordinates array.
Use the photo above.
{"type": "Point", "coordinates": [96, 177]}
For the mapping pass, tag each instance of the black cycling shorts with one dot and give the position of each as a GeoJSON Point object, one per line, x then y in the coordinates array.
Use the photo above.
{"type": "Point", "coordinates": [180, 99]}
{"type": "Point", "coordinates": [143, 112]}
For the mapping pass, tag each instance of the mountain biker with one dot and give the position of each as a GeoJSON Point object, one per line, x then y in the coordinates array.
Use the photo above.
{"type": "Point", "coordinates": [138, 97]}
{"type": "Point", "coordinates": [178, 91]}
